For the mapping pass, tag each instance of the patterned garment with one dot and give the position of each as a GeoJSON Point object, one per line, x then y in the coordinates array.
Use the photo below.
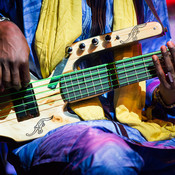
{"type": "Point", "coordinates": [93, 147]}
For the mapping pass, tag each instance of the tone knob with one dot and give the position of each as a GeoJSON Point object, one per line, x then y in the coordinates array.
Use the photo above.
{"type": "Point", "coordinates": [108, 38]}
{"type": "Point", "coordinates": [69, 50]}
{"type": "Point", "coordinates": [95, 41]}
{"type": "Point", "coordinates": [117, 37]}
{"type": "Point", "coordinates": [82, 46]}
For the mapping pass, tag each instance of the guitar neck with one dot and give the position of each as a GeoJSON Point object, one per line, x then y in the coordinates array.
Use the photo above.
{"type": "Point", "coordinates": [93, 81]}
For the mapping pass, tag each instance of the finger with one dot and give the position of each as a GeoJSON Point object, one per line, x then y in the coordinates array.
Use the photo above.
{"type": "Point", "coordinates": [171, 47]}
{"type": "Point", "coordinates": [169, 66]}
{"type": "Point", "coordinates": [6, 78]}
{"type": "Point", "coordinates": [15, 77]}
{"type": "Point", "coordinates": [25, 74]}
{"type": "Point", "coordinates": [159, 70]}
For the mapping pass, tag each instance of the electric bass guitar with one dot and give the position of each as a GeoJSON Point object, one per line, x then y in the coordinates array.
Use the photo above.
{"type": "Point", "coordinates": [32, 112]}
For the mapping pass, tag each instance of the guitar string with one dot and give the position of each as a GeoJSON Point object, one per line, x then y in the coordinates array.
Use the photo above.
{"type": "Point", "coordinates": [55, 83]}
{"type": "Point", "coordinates": [91, 91]}
{"type": "Point", "coordinates": [120, 84]}
{"type": "Point", "coordinates": [53, 89]}
{"type": "Point", "coordinates": [91, 80]}
{"type": "Point", "coordinates": [91, 68]}
{"type": "Point", "coordinates": [130, 75]}
{"type": "Point", "coordinates": [87, 75]}
{"type": "Point", "coordinates": [57, 101]}
{"type": "Point", "coordinates": [80, 71]}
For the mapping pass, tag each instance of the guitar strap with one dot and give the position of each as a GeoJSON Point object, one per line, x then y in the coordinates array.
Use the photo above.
{"type": "Point", "coordinates": [151, 6]}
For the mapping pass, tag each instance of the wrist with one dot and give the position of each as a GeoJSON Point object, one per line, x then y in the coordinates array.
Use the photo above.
{"type": "Point", "coordinates": [159, 99]}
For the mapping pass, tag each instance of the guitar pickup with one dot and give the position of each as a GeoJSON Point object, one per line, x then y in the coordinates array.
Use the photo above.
{"type": "Point", "coordinates": [25, 104]}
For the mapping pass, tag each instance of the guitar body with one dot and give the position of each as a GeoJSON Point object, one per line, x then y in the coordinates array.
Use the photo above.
{"type": "Point", "coordinates": [52, 114]}
{"type": "Point", "coordinates": [51, 107]}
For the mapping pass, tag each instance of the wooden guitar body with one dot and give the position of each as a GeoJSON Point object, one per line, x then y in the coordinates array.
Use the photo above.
{"type": "Point", "coordinates": [51, 103]}
{"type": "Point", "coordinates": [52, 114]}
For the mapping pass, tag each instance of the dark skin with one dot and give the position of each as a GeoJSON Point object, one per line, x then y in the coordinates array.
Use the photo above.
{"type": "Point", "coordinates": [167, 82]}
{"type": "Point", "coordinates": [14, 57]}
{"type": "Point", "coordinates": [14, 62]}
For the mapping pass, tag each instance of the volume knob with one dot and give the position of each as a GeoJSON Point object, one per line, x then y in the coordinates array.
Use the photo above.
{"type": "Point", "coordinates": [95, 41]}
{"type": "Point", "coordinates": [69, 50]}
{"type": "Point", "coordinates": [82, 46]}
{"type": "Point", "coordinates": [108, 38]}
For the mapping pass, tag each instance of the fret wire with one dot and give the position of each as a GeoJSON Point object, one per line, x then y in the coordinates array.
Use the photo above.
{"type": "Point", "coordinates": [145, 66]}
{"type": "Point", "coordinates": [73, 84]}
{"type": "Point", "coordinates": [100, 79]}
{"type": "Point", "coordinates": [79, 86]}
{"type": "Point", "coordinates": [47, 91]}
{"type": "Point", "coordinates": [125, 73]}
{"type": "Point", "coordinates": [133, 61]}
{"type": "Point", "coordinates": [85, 84]}
{"type": "Point", "coordinates": [93, 83]}
{"type": "Point", "coordinates": [66, 88]}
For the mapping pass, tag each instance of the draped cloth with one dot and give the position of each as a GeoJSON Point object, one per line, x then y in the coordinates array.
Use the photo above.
{"type": "Point", "coordinates": [59, 27]}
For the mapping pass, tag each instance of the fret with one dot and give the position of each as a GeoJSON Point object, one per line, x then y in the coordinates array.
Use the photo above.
{"type": "Point", "coordinates": [122, 74]}
{"type": "Point", "coordinates": [82, 90]}
{"type": "Point", "coordinates": [135, 71]}
{"type": "Point", "coordinates": [67, 87]}
{"type": "Point", "coordinates": [93, 83]}
{"type": "Point", "coordinates": [87, 83]}
{"type": "Point", "coordinates": [75, 87]}
{"type": "Point", "coordinates": [140, 68]}
{"type": "Point", "coordinates": [101, 84]}
{"type": "Point", "coordinates": [146, 68]}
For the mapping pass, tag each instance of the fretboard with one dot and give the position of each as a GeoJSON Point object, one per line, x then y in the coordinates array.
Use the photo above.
{"type": "Point", "coordinates": [85, 83]}
{"type": "Point", "coordinates": [135, 69]}
{"type": "Point", "coordinates": [93, 81]}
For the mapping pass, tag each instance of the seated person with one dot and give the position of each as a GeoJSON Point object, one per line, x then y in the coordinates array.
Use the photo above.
{"type": "Point", "coordinates": [123, 134]}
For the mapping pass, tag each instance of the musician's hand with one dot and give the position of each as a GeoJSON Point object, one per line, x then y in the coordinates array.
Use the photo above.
{"type": "Point", "coordinates": [167, 81]}
{"type": "Point", "coordinates": [14, 55]}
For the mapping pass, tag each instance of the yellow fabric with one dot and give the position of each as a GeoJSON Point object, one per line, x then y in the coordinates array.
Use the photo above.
{"type": "Point", "coordinates": [130, 100]}
{"type": "Point", "coordinates": [90, 109]}
{"type": "Point", "coordinates": [59, 25]}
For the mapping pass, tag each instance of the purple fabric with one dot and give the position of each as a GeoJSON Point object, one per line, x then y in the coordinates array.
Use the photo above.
{"type": "Point", "coordinates": [95, 147]}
